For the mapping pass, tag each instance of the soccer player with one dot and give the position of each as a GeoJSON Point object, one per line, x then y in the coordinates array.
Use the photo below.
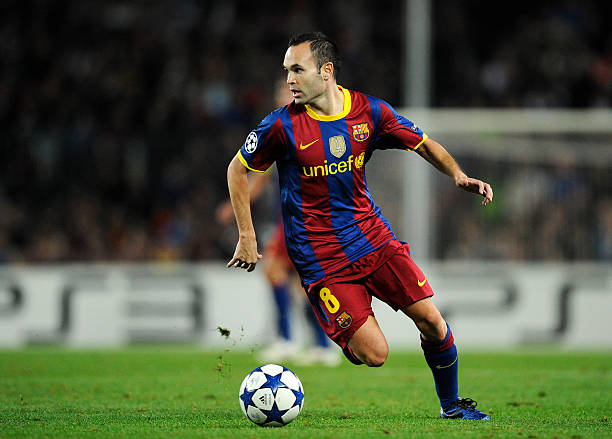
{"type": "Point", "coordinates": [341, 245]}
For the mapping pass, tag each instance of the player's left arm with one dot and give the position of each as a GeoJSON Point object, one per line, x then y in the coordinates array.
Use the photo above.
{"type": "Point", "coordinates": [440, 158]}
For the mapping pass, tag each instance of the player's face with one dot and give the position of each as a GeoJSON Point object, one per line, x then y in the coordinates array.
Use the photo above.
{"type": "Point", "coordinates": [304, 78]}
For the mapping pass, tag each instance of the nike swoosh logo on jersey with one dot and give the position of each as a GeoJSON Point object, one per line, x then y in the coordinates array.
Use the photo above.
{"type": "Point", "coordinates": [421, 283]}
{"type": "Point", "coordinates": [306, 146]}
{"type": "Point", "coordinates": [444, 367]}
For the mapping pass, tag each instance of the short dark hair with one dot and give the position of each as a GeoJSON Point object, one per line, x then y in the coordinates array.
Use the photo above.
{"type": "Point", "coordinates": [323, 49]}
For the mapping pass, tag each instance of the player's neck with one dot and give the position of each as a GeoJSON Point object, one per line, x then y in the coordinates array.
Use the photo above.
{"type": "Point", "coordinates": [329, 103]}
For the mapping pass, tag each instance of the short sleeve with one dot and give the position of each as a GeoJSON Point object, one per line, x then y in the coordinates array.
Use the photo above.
{"type": "Point", "coordinates": [397, 132]}
{"type": "Point", "coordinates": [265, 144]}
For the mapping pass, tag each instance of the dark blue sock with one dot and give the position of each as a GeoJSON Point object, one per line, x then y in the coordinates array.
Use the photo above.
{"type": "Point", "coordinates": [321, 339]}
{"type": "Point", "coordinates": [443, 361]}
{"type": "Point", "coordinates": [282, 299]}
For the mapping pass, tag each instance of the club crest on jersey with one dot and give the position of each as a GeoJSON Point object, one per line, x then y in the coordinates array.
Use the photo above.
{"type": "Point", "coordinates": [337, 146]}
{"type": "Point", "coordinates": [361, 131]}
{"type": "Point", "coordinates": [344, 320]}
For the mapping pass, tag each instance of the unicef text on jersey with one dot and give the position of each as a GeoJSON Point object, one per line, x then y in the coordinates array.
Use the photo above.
{"type": "Point", "coordinates": [334, 168]}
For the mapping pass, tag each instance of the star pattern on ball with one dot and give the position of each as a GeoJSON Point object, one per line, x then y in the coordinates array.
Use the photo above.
{"type": "Point", "coordinates": [274, 382]}
{"type": "Point", "coordinates": [299, 397]}
{"type": "Point", "coordinates": [274, 414]}
{"type": "Point", "coordinates": [247, 396]}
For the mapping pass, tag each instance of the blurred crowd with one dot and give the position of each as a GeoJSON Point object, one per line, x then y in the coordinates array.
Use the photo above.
{"type": "Point", "coordinates": [118, 118]}
{"type": "Point", "coordinates": [523, 54]}
{"type": "Point", "coordinates": [556, 210]}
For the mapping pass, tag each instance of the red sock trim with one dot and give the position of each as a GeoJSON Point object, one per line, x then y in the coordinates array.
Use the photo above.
{"type": "Point", "coordinates": [440, 346]}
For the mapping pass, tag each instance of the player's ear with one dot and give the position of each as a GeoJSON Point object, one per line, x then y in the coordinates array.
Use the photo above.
{"type": "Point", "coordinates": [327, 70]}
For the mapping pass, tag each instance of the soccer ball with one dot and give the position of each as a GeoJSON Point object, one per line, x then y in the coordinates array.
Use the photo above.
{"type": "Point", "coordinates": [271, 396]}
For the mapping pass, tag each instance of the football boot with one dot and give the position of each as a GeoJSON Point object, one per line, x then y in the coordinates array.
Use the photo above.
{"type": "Point", "coordinates": [464, 408]}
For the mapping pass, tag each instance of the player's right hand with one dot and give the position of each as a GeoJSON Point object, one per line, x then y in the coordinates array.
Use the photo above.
{"type": "Point", "coordinates": [246, 254]}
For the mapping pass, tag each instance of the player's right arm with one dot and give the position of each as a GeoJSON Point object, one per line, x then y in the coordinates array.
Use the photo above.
{"type": "Point", "coordinates": [246, 255]}
{"type": "Point", "coordinates": [257, 183]}
{"type": "Point", "coordinates": [262, 148]}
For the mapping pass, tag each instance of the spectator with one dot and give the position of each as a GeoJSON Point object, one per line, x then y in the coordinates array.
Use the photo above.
{"type": "Point", "coordinates": [118, 118]}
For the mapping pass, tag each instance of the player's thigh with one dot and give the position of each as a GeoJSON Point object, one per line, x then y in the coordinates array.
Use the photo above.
{"type": "Point", "coordinates": [341, 309]}
{"type": "Point", "coordinates": [399, 282]}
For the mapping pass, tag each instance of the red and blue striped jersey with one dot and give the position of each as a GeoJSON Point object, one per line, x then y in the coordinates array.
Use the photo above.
{"type": "Point", "coordinates": [329, 215]}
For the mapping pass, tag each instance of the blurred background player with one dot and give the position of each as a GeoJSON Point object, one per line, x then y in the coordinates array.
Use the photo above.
{"type": "Point", "coordinates": [282, 277]}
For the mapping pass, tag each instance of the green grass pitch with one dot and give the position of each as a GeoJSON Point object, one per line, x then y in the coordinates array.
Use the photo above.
{"type": "Point", "coordinates": [185, 393]}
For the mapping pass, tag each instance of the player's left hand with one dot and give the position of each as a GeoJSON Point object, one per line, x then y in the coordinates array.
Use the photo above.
{"type": "Point", "coordinates": [476, 186]}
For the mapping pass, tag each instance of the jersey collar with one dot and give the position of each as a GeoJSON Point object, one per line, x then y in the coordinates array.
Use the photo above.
{"type": "Point", "coordinates": [345, 111]}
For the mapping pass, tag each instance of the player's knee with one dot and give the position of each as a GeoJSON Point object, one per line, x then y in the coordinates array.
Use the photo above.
{"type": "Point", "coordinates": [376, 360]}
{"type": "Point", "coordinates": [435, 332]}
{"type": "Point", "coordinates": [376, 357]}
{"type": "Point", "coordinates": [369, 344]}
{"type": "Point", "coordinates": [432, 325]}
